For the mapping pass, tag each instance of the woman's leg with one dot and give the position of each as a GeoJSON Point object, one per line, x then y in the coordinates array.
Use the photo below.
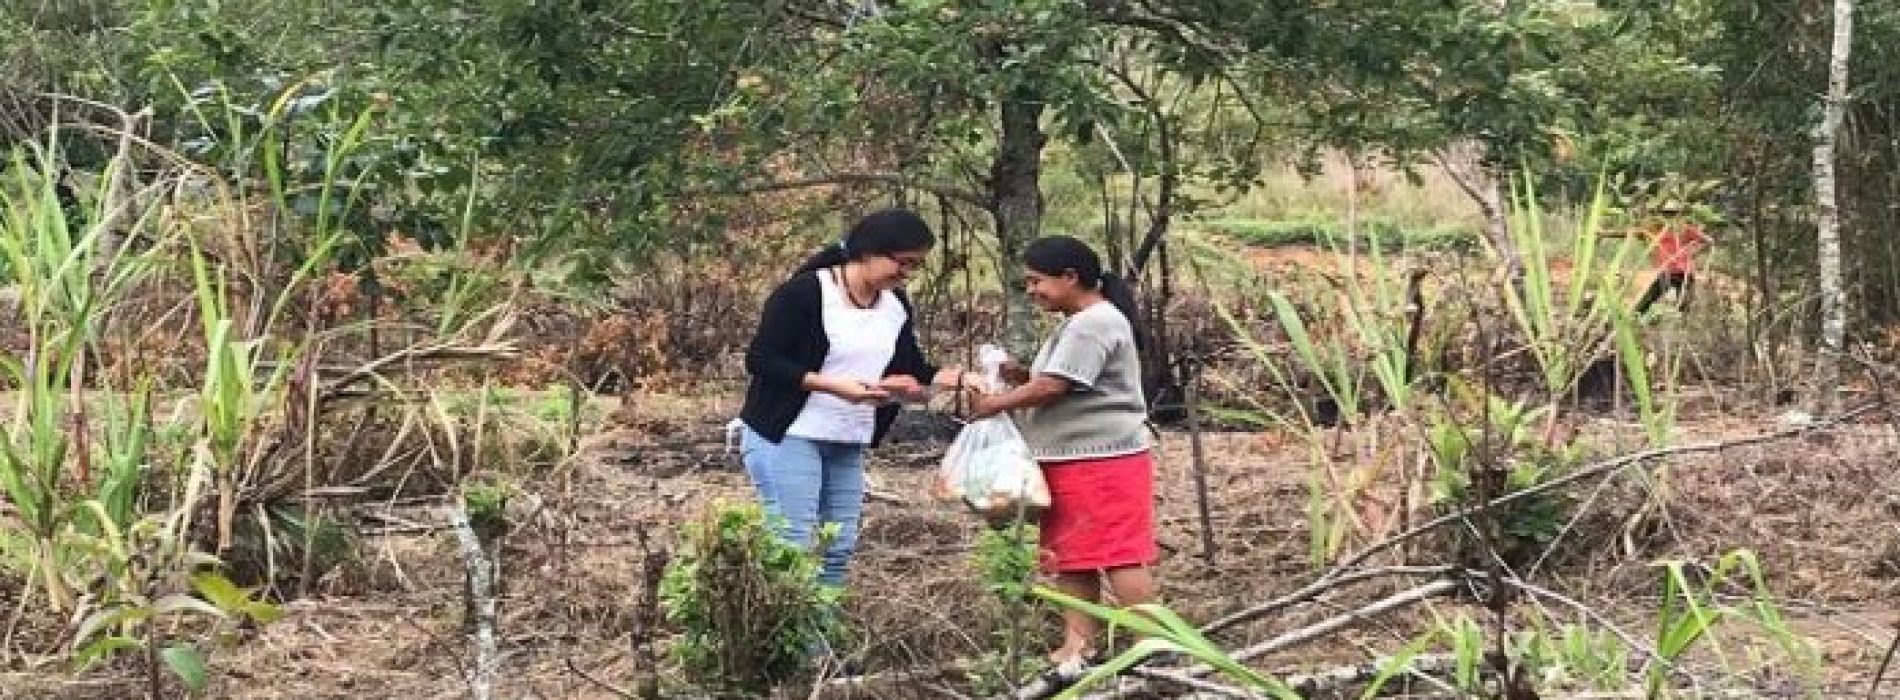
{"type": "Point", "coordinates": [1132, 585]}
{"type": "Point", "coordinates": [1078, 627]}
{"type": "Point", "coordinates": [787, 477]}
{"type": "Point", "coordinates": [841, 501]}
{"type": "Point", "coordinates": [1655, 291]}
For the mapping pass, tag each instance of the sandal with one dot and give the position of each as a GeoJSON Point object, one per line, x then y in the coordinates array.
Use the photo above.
{"type": "Point", "coordinates": [1060, 676]}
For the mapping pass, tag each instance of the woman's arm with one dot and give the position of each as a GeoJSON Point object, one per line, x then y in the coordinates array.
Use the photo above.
{"type": "Point", "coordinates": [784, 318]}
{"type": "Point", "coordinates": [1041, 390]}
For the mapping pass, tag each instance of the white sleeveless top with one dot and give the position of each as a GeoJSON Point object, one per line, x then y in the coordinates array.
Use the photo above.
{"type": "Point", "coordinates": [862, 344]}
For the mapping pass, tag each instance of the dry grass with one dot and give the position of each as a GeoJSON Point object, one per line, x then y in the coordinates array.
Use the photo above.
{"type": "Point", "coordinates": [1371, 190]}
{"type": "Point", "coordinates": [572, 568]}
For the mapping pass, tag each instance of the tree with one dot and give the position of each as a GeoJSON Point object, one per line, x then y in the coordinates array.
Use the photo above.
{"type": "Point", "coordinates": [1827, 219]}
{"type": "Point", "coordinates": [964, 96]}
{"type": "Point", "coordinates": [575, 122]}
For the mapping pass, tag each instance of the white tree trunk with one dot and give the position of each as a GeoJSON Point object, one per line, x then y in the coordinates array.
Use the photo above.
{"type": "Point", "coordinates": [479, 590]}
{"type": "Point", "coordinates": [1827, 210]}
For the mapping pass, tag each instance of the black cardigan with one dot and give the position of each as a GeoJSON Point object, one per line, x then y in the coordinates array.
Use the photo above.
{"type": "Point", "coordinates": [791, 342]}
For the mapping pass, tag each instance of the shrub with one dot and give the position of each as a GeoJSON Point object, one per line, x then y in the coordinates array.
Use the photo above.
{"type": "Point", "coordinates": [748, 603]}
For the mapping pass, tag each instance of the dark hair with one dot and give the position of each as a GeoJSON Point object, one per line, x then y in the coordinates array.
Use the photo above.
{"type": "Point", "coordinates": [885, 232]}
{"type": "Point", "coordinates": [1054, 255]}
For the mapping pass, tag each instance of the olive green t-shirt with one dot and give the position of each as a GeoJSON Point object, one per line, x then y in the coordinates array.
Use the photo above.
{"type": "Point", "coordinates": [1104, 413]}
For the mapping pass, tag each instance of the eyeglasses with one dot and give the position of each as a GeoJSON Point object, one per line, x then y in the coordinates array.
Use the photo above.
{"type": "Point", "coordinates": [907, 263]}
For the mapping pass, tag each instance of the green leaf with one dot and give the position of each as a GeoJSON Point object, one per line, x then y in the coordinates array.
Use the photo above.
{"type": "Point", "coordinates": [101, 649]}
{"type": "Point", "coordinates": [188, 664]}
{"type": "Point", "coordinates": [219, 590]}
{"type": "Point", "coordinates": [99, 621]}
{"type": "Point", "coordinates": [185, 603]}
{"type": "Point", "coordinates": [1399, 663]}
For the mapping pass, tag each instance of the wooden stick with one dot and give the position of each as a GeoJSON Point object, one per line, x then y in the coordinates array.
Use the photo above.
{"type": "Point", "coordinates": [1200, 461]}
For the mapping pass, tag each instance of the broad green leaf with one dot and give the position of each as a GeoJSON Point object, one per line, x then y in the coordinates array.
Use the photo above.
{"type": "Point", "coordinates": [219, 590]}
{"type": "Point", "coordinates": [184, 603]}
{"type": "Point", "coordinates": [103, 648]}
{"type": "Point", "coordinates": [111, 617]}
{"type": "Point", "coordinates": [188, 664]}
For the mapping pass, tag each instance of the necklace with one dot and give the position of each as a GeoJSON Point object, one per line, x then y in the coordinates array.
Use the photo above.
{"type": "Point", "coordinates": [850, 293]}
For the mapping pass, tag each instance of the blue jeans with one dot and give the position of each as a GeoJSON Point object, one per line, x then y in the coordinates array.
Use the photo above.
{"type": "Point", "coordinates": [809, 483]}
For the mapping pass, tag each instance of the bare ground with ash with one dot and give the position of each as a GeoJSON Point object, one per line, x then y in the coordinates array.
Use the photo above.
{"type": "Point", "coordinates": [1820, 512]}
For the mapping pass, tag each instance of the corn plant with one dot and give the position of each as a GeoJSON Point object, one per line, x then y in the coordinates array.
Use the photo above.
{"type": "Point", "coordinates": [1163, 632]}
{"type": "Point", "coordinates": [74, 465]}
{"type": "Point", "coordinates": [1361, 351]}
{"type": "Point", "coordinates": [248, 373]}
{"type": "Point", "coordinates": [1658, 414]}
{"type": "Point", "coordinates": [233, 403]}
{"type": "Point", "coordinates": [1339, 368]}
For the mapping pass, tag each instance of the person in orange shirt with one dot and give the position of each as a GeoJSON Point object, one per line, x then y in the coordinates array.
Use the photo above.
{"type": "Point", "coordinates": [1677, 242]}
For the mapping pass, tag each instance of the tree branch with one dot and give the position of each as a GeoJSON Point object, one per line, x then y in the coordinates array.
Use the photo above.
{"type": "Point", "coordinates": [1303, 595]}
{"type": "Point", "coordinates": [851, 178]}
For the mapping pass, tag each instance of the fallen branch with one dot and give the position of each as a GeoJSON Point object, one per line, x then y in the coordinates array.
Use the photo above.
{"type": "Point", "coordinates": [433, 352]}
{"type": "Point", "coordinates": [575, 669]}
{"type": "Point", "coordinates": [1294, 638]}
{"type": "Point", "coordinates": [1348, 571]}
{"type": "Point", "coordinates": [1308, 685]}
{"type": "Point", "coordinates": [1334, 624]}
{"type": "Point", "coordinates": [1310, 592]}
{"type": "Point", "coordinates": [480, 580]}
{"type": "Point", "coordinates": [1204, 686]}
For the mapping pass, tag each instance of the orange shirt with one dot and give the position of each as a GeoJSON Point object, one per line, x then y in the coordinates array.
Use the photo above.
{"type": "Point", "coordinates": [1676, 247]}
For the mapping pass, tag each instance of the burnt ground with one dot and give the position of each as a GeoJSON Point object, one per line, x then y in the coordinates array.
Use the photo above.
{"type": "Point", "coordinates": [1819, 511]}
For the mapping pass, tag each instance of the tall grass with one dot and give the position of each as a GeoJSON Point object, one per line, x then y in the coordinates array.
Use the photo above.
{"type": "Point", "coordinates": [68, 283]}
{"type": "Point", "coordinates": [1349, 344]}
{"type": "Point", "coordinates": [78, 449]}
{"type": "Point", "coordinates": [115, 506]}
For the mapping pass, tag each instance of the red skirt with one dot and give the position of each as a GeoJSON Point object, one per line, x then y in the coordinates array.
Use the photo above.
{"type": "Point", "coordinates": [1101, 514]}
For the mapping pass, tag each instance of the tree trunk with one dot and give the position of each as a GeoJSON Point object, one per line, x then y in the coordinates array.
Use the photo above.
{"type": "Point", "coordinates": [1487, 189]}
{"type": "Point", "coordinates": [1827, 217]}
{"type": "Point", "coordinates": [1016, 184]}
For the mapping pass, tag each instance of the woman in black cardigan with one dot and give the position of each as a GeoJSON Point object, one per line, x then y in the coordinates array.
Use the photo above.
{"type": "Point", "coordinates": [834, 354]}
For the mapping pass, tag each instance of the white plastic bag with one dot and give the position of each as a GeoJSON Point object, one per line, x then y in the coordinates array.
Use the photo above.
{"type": "Point", "coordinates": [988, 466]}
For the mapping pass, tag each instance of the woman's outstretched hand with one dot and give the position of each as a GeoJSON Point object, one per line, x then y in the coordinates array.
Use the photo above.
{"type": "Point", "coordinates": [861, 393]}
{"type": "Point", "coordinates": [981, 405]}
{"type": "Point", "coordinates": [902, 386]}
{"type": "Point", "coordinates": [850, 390]}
